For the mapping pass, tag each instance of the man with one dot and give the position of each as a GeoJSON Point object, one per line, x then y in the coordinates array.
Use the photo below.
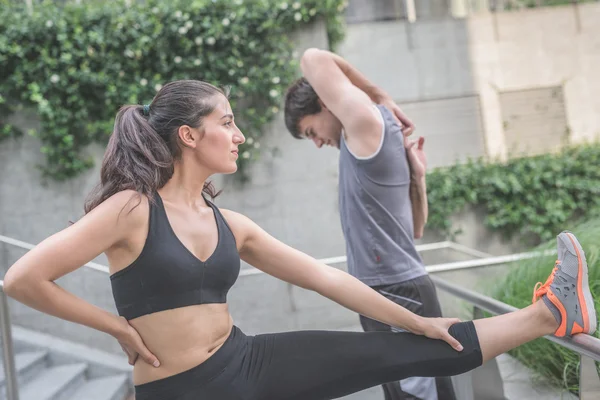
{"type": "Point", "coordinates": [382, 191]}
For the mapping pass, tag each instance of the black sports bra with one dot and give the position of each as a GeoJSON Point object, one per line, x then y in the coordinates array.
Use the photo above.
{"type": "Point", "coordinates": [167, 275]}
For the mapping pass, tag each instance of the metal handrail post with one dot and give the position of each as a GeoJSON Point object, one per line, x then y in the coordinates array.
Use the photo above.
{"type": "Point", "coordinates": [8, 355]}
{"type": "Point", "coordinates": [487, 380]}
{"type": "Point", "coordinates": [589, 382]}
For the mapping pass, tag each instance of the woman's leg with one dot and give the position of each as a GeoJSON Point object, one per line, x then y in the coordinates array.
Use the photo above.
{"type": "Point", "coordinates": [320, 365]}
{"type": "Point", "coordinates": [566, 309]}
{"type": "Point", "coordinates": [497, 335]}
{"type": "Point", "coordinates": [327, 365]}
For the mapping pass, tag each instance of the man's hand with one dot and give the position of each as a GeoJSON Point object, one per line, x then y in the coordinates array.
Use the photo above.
{"type": "Point", "coordinates": [416, 157]}
{"type": "Point", "coordinates": [407, 126]}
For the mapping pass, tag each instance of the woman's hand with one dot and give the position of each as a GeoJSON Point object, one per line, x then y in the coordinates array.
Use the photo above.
{"type": "Point", "coordinates": [132, 344]}
{"type": "Point", "coordinates": [437, 328]}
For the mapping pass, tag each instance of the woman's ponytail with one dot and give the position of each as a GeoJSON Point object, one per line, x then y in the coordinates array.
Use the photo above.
{"type": "Point", "coordinates": [136, 158]}
{"type": "Point", "coordinates": [143, 147]}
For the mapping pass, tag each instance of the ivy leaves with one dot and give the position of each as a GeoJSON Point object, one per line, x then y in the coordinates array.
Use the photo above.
{"type": "Point", "coordinates": [77, 64]}
{"type": "Point", "coordinates": [535, 196]}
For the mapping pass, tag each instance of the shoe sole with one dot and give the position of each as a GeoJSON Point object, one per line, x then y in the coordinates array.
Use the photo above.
{"type": "Point", "coordinates": [583, 288]}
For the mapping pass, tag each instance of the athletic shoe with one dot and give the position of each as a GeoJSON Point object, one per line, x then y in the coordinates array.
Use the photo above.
{"type": "Point", "coordinates": [566, 292]}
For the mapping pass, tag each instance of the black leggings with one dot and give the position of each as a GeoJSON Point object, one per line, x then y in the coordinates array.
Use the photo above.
{"type": "Point", "coordinates": [314, 365]}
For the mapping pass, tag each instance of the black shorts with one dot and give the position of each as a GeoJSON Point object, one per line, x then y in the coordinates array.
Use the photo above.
{"type": "Point", "coordinates": [419, 296]}
{"type": "Point", "coordinates": [315, 365]}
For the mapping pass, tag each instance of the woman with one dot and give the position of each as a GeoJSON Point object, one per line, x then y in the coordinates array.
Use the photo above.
{"type": "Point", "coordinates": [174, 255]}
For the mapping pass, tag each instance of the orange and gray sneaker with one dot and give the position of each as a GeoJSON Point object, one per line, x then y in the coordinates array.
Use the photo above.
{"type": "Point", "coordinates": [566, 292]}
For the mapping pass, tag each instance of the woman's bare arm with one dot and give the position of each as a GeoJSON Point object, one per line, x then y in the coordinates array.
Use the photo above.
{"type": "Point", "coordinates": [266, 253]}
{"type": "Point", "coordinates": [31, 279]}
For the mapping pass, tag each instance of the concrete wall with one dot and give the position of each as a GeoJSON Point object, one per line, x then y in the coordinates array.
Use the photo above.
{"type": "Point", "coordinates": [483, 55]}
{"type": "Point", "coordinates": [425, 66]}
{"type": "Point", "coordinates": [413, 61]}
{"type": "Point", "coordinates": [544, 47]}
{"type": "Point", "coordinates": [369, 10]}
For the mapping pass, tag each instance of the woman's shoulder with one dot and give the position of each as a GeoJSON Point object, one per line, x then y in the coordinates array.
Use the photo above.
{"type": "Point", "coordinates": [234, 219]}
{"type": "Point", "coordinates": [127, 206]}
{"type": "Point", "coordinates": [241, 226]}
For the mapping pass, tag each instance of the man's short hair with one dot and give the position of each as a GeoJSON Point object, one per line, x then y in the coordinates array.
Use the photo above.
{"type": "Point", "coordinates": [301, 100]}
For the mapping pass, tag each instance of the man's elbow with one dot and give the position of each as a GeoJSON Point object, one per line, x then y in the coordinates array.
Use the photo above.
{"type": "Point", "coordinates": [311, 53]}
{"type": "Point", "coordinates": [311, 56]}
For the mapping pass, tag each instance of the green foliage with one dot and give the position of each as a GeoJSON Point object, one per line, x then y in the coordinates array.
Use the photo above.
{"type": "Point", "coordinates": [555, 363]}
{"type": "Point", "coordinates": [533, 196]}
{"type": "Point", "coordinates": [518, 4]}
{"type": "Point", "coordinates": [77, 64]}
{"type": "Point", "coordinates": [7, 130]}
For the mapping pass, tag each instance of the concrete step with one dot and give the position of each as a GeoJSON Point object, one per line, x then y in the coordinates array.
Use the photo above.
{"type": "Point", "coordinates": [100, 375]}
{"type": "Point", "coordinates": [520, 383]}
{"type": "Point", "coordinates": [28, 365]}
{"type": "Point", "coordinates": [62, 352]}
{"type": "Point", "coordinates": [55, 383]}
{"type": "Point", "coordinates": [110, 388]}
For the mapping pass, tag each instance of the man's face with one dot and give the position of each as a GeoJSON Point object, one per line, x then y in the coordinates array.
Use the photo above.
{"type": "Point", "coordinates": [324, 129]}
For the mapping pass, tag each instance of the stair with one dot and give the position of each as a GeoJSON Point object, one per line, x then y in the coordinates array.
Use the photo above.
{"type": "Point", "coordinates": [49, 368]}
{"type": "Point", "coordinates": [37, 381]}
{"type": "Point", "coordinates": [28, 365]}
{"type": "Point", "coordinates": [56, 383]}
{"type": "Point", "coordinates": [111, 388]}
{"type": "Point", "coordinates": [521, 384]}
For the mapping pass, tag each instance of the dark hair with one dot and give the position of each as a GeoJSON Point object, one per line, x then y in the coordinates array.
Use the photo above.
{"type": "Point", "coordinates": [143, 146]}
{"type": "Point", "coordinates": [301, 100]}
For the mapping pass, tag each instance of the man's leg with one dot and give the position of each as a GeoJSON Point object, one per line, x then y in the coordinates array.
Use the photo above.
{"type": "Point", "coordinates": [419, 296]}
{"type": "Point", "coordinates": [432, 308]}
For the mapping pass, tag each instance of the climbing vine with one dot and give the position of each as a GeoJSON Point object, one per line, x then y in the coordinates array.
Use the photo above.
{"type": "Point", "coordinates": [78, 63]}
{"type": "Point", "coordinates": [535, 197]}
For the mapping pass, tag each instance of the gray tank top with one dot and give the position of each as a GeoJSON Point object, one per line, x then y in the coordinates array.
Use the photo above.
{"type": "Point", "coordinates": [375, 210]}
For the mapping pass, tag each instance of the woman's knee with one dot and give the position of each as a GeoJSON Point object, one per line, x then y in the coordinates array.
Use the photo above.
{"type": "Point", "coordinates": [466, 334]}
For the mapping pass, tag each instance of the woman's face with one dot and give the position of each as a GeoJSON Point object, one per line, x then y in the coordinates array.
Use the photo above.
{"type": "Point", "coordinates": [218, 138]}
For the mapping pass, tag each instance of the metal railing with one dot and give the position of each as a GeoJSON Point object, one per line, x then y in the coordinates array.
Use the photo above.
{"type": "Point", "coordinates": [420, 248]}
{"type": "Point", "coordinates": [586, 346]}
{"type": "Point", "coordinates": [330, 260]}
{"type": "Point", "coordinates": [8, 355]}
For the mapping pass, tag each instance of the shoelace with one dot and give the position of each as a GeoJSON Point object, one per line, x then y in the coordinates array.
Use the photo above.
{"type": "Point", "coordinates": [539, 290]}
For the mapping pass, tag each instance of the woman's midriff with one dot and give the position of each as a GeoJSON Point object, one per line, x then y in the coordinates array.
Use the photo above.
{"type": "Point", "coordinates": [181, 339]}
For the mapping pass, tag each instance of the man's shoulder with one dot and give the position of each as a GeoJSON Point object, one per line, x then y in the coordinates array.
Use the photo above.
{"type": "Point", "coordinates": [364, 138]}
